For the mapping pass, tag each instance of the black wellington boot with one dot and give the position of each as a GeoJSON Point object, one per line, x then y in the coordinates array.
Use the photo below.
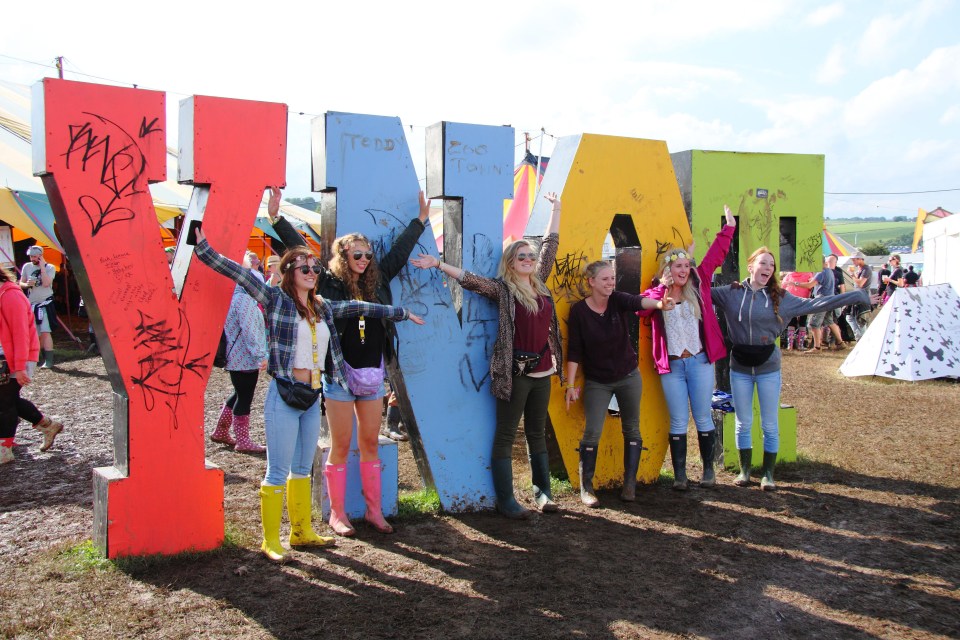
{"type": "Point", "coordinates": [678, 454]}
{"type": "Point", "coordinates": [708, 441]}
{"type": "Point", "coordinates": [588, 466]}
{"type": "Point", "coordinates": [540, 470]}
{"type": "Point", "coordinates": [503, 485]}
{"type": "Point", "coordinates": [632, 449]}
{"type": "Point", "coordinates": [766, 479]}
{"type": "Point", "coordinates": [746, 459]}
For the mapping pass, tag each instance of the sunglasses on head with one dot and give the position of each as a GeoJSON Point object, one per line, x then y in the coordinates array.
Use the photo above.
{"type": "Point", "coordinates": [363, 254]}
{"type": "Point", "coordinates": [526, 256]}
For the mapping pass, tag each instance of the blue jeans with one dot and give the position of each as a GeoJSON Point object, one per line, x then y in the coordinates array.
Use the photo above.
{"type": "Point", "coordinates": [689, 383]}
{"type": "Point", "coordinates": [768, 391]}
{"type": "Point", "coordinates": [291, 438]}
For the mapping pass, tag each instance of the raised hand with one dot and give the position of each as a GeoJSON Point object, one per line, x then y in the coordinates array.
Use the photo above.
{"type": "Point", "coordinates": [273, 204]}
{"type": "Point", "coordinates": [424, 207]}
{"type": "Point", "coordinates": [731, 220]}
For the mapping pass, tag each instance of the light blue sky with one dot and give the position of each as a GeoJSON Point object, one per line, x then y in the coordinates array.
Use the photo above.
{"type": "Point", "coordinates": [872, 85]}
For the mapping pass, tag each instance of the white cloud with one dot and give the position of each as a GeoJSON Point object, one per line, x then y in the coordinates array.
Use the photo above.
{"type": "Point", "coordinates": [951, 115]}
{"type": "Point", "coordinates": [921, 150]}
{"type": "Point", "coordinates": [888, 34]}
{"type": "Point", "coordinates": [824, 15]}
{"type": "Point", "coordinates": [832, 69]}
{"type": "Point", "coordinates": [904, 92]}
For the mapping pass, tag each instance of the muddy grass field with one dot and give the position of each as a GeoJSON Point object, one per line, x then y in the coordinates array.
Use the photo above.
{"type": "Point", "coordinates": [860, 541]}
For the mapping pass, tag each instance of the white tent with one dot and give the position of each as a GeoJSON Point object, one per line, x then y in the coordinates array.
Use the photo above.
{"type": "Point", "coordinates": [915, 336]}
{"type": "Point", "coordinates": [941, 247]}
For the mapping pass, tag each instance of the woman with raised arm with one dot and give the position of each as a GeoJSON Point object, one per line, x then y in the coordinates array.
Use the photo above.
{"type": "Point", "coordinates": [757, 310]}
{"type": "Point", "coordinates": [246, 342]}
{"type": "Point", "coordinates": [300, 332]}
{"type": "Point", "coordinates": [355, 273]}
{"type": "Point", "coordinates": [599, 344]}
{"type": "Point", "coordinates": [686, 342]}
{"type": "Point", "coordinates": [526, 353]}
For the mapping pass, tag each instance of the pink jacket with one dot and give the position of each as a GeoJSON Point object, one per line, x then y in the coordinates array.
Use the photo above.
{"type": "Point", "coordinates": [18, 332]}
{"type": "Point", "coordinates": [710, 333]}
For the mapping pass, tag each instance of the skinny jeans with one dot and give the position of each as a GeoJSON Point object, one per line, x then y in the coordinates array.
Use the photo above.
{"type": "Point", "coordinates": [768, 392]}
{"type": "Point", "coordinates": [529, 399]}
{"type": "Point", "coordinates": [596, 399]}
{"type": "Point", "coordinates": [291, 438]}
{"type": "Point", "coordinates": [688, 387]}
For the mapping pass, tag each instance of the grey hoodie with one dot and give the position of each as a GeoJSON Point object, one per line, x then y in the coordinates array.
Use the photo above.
{"type": "Point", "coordinates": [750, 317]}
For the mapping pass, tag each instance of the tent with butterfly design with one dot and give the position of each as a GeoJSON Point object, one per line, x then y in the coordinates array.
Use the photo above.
{"type": "Point", "coordinates": [915, 336]}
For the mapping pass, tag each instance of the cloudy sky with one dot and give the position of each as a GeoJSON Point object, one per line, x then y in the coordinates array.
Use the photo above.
{"type": "Point", "coordinates": [874, 85]}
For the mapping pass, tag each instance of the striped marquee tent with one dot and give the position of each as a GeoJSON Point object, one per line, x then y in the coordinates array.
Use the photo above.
{"type": "Point", "coordinates": [836, 245]}
{"type": "Point", "coordinates": [526, 183]}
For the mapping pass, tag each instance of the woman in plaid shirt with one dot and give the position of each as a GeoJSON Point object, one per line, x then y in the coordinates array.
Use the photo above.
{"type": "Point", "coordinates": [298, 342]}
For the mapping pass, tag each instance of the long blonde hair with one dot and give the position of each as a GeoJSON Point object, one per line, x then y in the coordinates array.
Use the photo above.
{"type": "Point", "coordinates": [689, 292]}
{"type": "Point", "coordinates": [527, 297]}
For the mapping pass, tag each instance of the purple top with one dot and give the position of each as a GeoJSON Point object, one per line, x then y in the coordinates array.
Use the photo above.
{"type": "Point", "coordinates": [600, 343]}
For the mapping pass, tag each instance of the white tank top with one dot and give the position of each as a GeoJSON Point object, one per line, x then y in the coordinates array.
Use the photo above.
{"type": "Point", "coordinates": [303, 355]}
{"type": "Point", "coordinates": [683, 330]}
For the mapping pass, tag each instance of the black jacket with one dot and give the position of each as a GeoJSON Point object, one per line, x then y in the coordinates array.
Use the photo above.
{"type": "Point", "coordinates": [331, 287]}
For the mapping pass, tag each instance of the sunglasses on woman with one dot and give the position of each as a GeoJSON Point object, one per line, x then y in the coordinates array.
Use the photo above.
{"type": "Point", "coordinates": [526, 256]}
{"type": "Point", "coordinates": [363, 254]}
{"type": "Point", "coordinates": [306, 268]}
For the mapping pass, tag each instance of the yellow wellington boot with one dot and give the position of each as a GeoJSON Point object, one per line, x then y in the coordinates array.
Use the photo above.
{"type": "Point", "coordinates": [271, 510]}
{"type": "Point", "coordinates": [300, 512]}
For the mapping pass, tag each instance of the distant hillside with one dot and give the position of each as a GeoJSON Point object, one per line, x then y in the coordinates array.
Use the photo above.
{"type": "Point", "coordinates": [859, 233]}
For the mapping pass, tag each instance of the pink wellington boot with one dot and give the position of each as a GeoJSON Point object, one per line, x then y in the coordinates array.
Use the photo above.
{"type": "Point", "coordinates": [370, 477]}
{"type": "Point", "coordinates": [222, 433]}
{"type": "Point", "coordinates": [336, 475]}
{"type": "Point", "coordinates": [241, 427]}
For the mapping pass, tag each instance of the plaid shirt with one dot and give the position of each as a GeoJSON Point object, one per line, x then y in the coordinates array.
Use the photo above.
{"type": "Point", "coordinates": [282, 316]}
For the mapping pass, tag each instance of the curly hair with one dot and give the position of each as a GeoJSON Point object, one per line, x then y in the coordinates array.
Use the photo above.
{"type": "Point", "coordinates": [288, 263]}
{"type": "Point", "coordinates": [363, 287]}
{"type": "Point", "coordinates": [690, 292]}
{"type": "Point", "coordinates": [773, 288]}
{"type": "Point", "coordinates": [528, 299]}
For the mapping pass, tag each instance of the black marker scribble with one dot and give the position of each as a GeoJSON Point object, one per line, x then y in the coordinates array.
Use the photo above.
{"type": "Point", "coordinates": [567, 272]}
{"type": "Point", "coordinates": [104, 146]}
{"type": "Point", "coordinates": [164, 360]}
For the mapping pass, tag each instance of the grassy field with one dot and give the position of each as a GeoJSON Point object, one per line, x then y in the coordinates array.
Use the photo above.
{"type": "Point", "coordinates": [859, 233]}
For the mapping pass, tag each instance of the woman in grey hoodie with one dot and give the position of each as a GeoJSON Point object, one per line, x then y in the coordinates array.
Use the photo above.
{"type": "Point", "coordinates": [757, 310]}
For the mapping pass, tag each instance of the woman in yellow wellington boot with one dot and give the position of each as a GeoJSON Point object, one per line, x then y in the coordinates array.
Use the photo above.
{"type": "Point", "coordinates": [300, 512]}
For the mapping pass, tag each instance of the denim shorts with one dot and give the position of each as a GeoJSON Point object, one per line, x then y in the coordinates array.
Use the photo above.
{"type": "Point", "coordinates": [333, 391]}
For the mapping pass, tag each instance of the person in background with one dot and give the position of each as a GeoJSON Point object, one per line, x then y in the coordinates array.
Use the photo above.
{"type": "Point", "coordinates": [246, 358]}
{"type": "Point", "coordinates": [757, 310]}
{"type": "Point", "coordinates": [36, 280]}
{"type": "Point", "coordinates": [862, 276]}
{"type": "Point", "coordinates": [911, 277]}
{"type": "Point", "coordinates": [824, 285]}
{"type": "Point", "coordinates": [272, 273]}
{"type": "Point", "coordinates": [599, 345]}
{"type": "Point", "coordinates": [356, 273]}
{"type": "Point", "coordinates": [686, 342]}
{"type": "Point", "coordinates": [170, 253]}
{"type": "Point", "coordinates": [300, 330]}
{"type": "Point", "coordinates": [882, 276]}
{"type": "Point", "coordinates": [526, 353]}
{"type": "Point", "coordinates": [894, 280]}
{"type": "Point", "coordinates": [797, 328]}
{"type": "Point", "coordinates": [19, 350]}
{"type": "Point", "coordinates": [393, 428]}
